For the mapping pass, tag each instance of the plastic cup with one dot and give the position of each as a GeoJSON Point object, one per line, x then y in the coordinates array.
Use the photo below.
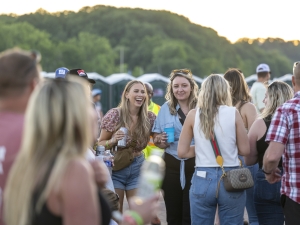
{"type": "Point", "coordinates": [170, 132]}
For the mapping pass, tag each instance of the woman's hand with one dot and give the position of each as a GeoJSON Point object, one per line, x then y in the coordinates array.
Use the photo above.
{"type": "Point", "coordinates": [119, 135]}
{"type": "Point", "coordinates": [160, 140]}
{"type": "Point", "coordinates": [146, 208]}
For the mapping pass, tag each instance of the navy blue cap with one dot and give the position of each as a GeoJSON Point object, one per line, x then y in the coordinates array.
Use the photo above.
{"type": "Point", "coordinates": [61, 72]}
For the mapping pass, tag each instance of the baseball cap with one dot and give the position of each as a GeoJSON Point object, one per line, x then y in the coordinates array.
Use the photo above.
{"type": "Point", "coordinates": [263, 68]}
{"type": "Point", "coordinates": [61, 72]}
{"type": "Point", "coordinates": [96, 92]}
{"type": "Point", "coordinates": [81, 73]}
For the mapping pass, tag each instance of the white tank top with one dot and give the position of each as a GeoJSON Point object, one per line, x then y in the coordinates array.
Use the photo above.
{"type": "Point", "coordinates": [226, 135]}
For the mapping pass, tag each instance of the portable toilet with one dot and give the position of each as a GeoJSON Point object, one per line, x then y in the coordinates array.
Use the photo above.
{"type": "Point", "coordinates": [117, 83]}
{"type": "Point", "coordinates": [159, 84]}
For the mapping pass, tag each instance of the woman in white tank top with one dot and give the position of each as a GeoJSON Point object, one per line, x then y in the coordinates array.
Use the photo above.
{"type": "Point", "coordinates": [214, 115]}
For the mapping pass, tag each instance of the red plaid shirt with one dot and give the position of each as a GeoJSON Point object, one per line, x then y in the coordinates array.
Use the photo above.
{"type": "Point", "coordinates": [285, 129]}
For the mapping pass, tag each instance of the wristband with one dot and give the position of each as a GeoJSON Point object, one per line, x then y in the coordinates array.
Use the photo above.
{"type": "Point", "coordinates": [106, 144]}
{"type": "Point", "coordinates": [129, 219]}
{"type": "Point", "coordinates": [265, 172]}
{"type": "Point", "coordinates": [139, 220]}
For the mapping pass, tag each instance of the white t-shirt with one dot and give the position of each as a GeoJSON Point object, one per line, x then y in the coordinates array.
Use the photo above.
{"type": "Point", "coordinates": [257, 92]}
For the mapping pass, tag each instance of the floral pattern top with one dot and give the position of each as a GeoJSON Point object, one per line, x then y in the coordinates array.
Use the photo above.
{"type": "Point", "coordinates": [112, 119]}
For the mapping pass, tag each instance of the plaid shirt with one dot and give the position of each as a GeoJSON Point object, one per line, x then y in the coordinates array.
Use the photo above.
{"type": "Point", "coordinates": [285, 129]}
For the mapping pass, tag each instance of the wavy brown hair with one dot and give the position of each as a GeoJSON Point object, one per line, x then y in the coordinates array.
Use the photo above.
{"type": "Point", "coordinates": [238, 85]}
{"type": "Point", "coordinates": [172, 101]}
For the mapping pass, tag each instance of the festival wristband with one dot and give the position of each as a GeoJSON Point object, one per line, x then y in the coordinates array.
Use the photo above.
{"type": "Point", "coordinates": [139, 220]}
{"type": "Point", "coordinates": [129, 219]}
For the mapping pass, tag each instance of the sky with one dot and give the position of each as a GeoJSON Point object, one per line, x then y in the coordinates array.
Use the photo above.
{"type": "Point", "coordinates": [232, 19]}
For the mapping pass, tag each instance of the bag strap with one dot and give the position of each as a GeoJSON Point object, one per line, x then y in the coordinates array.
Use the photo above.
{"type": "Point", "coordinates": [219, 158]}
{"type": "Point", "coordinates": [182, 116]}
{"type": "Point", "coordinates": [217, 151]}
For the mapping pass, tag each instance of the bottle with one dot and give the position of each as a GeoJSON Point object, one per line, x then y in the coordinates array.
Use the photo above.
{"type": "Point", "coordinates": [152, 175]}
{"type": "Point", "coordinates": [108, 158]}
{"type": "Point", "coordinates": [100, 150]}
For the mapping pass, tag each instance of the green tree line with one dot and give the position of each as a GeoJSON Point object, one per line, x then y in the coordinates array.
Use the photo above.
{"type": "Point", "coordinates": [151, 42]}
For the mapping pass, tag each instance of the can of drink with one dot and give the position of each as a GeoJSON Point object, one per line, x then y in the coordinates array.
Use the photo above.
{"type": "Point", "coordinates": [122, 142]}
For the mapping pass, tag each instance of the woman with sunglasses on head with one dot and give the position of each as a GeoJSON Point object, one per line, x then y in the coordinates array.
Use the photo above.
{"type": "Point", "coordinates": [132, 114]}
{"type": "Point", "coordinates": [181, 97]}
{"type": "Point", "coordinates": [241, 100]}
{"type": "Point", "coordinates": [266, 195]}
{"type": "Point", "coordinates": [214, 119]}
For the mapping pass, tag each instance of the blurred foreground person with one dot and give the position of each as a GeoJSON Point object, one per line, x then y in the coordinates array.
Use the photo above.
{"type": "Point", "coordinates": [51, 181]}
{"type": "Point", "coordinates": [267, 196]}
{"type": "Point", "coordinates": [214, 116]}
{"type": "Point", "coordinates": [19, 74]}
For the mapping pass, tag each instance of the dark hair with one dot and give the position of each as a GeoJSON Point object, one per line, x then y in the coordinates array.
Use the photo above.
{"type": "Point", "coordinates": [262, 74]}
{"type": "Point", "coordinates": [17, 69]}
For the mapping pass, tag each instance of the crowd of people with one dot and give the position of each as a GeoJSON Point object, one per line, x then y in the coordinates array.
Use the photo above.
{"type": "Point", "coordinates": [50, 130]}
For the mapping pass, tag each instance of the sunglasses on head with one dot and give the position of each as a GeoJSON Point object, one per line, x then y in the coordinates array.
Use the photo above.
{"type": "Point", "coordinates": [182, 72]}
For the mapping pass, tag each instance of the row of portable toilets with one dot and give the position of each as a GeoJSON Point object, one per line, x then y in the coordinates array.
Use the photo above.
{"type": "Point", "coordinates": [112, 86]}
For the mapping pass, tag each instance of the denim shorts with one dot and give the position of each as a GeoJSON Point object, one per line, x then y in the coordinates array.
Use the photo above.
{"type": "Point", "coordinates": [127, 178]}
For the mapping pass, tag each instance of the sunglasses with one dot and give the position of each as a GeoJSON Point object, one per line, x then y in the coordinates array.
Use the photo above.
{"type": "Point", "coordinates": [181, 72]}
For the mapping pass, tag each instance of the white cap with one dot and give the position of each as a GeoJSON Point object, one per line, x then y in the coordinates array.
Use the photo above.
{"type": "Point", "coordinates": [262, 68]}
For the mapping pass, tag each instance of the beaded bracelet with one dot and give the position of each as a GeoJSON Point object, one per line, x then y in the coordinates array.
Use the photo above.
{"type": "Point", "coordinates": [106, 144]}
{"type": "Point", "coordinates": [136, 216]}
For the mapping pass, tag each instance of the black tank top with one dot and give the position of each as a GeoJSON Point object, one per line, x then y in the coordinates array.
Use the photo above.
{"type": "Point", "coordinates": [45, 217]}
{"type": "Point", "coordinates": [262, 146]}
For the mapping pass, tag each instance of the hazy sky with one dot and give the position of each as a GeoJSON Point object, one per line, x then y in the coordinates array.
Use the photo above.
{"type": "Point", "coordinates": [233, 19]}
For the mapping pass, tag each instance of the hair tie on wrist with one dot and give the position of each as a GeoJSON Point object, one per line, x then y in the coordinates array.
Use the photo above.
{"type": "Point", "coordinates": [106, 144]}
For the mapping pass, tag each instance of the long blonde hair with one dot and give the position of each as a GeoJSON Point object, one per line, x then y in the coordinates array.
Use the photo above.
{"type": "Point", "coordinates": [143, 126]}
{"type": "Point", "coordinates": [214, 92]}
{"type": "Point", "coordinates": [172, 101]}
{"type": "Point", "coordinates": [57, 130]}
{"type": "Point", "coordinates": [278, 92]}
